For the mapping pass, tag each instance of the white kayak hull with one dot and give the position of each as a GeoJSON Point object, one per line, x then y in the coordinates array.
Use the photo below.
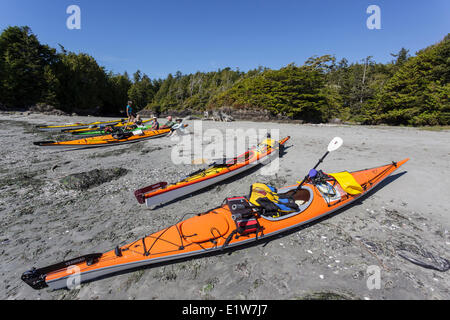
{"type": "Point", "coordinates": [180, 192]}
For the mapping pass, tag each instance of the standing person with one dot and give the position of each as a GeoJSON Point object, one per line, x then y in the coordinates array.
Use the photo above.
{"type": "Point", "coordinates": [130, 114]}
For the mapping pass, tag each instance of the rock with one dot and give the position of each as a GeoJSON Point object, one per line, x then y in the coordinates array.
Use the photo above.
{"type": "Point", "coordinates": [86, 180]}
{"type": "Point", "coordinates": [46, 109]}
{"type": "Point", "coordinates": [335, 121]}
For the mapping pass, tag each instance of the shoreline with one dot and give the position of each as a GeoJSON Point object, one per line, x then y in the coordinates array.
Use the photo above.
{"type": "Point", "coordinates": [293, 122]}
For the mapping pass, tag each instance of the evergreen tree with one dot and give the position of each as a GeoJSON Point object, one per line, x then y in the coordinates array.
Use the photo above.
{"type": "Point", "coordinates": [23, 62]}
{"type": "Point", "coordinates": [411, 90]}
{"type": "Point", "coordinates": [83, 84]}
{"type": "Point", "coordinates": [142, 91]}
{"type": "Point", "coordinates": [418, 93]}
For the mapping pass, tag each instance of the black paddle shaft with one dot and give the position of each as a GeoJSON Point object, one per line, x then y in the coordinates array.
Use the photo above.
{"type": "Point", "coordinates": [306, 177]}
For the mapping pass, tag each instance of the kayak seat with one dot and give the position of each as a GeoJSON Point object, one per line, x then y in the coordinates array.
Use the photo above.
{"type": "Point", "coordinates": [204, 228]}
{"type": "Point", "coordinates": [301, 195]}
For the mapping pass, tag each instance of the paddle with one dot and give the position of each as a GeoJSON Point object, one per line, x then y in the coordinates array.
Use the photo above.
{"type": "Point", "coordinates": [332, 146]}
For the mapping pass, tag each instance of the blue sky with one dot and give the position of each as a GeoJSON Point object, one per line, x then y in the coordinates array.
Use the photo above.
{"type": "Point", "coordinates": [161, 37]}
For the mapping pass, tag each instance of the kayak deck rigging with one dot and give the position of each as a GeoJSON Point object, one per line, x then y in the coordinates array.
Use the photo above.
{"type": "Point", "coordinates": [365, 185]}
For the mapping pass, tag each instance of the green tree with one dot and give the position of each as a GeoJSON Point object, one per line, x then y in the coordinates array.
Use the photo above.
{"type": "Point", "coordinates": [401, 57]}
{"type": "Point", "coordinates": [418, 93]}
{"type": "Point", "coordinates": [24, 64]}
{"type": "Point", "coordinates": [292, 91]}
{"type": "Point", "coordinates": [142, 90]}
{"type": "Point", "coordinates": [83, 84]}
{"type": "Point", "coordinates": [118, 87]}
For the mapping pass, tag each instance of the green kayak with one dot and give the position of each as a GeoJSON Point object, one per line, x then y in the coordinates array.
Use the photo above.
{"type": "Point", "coordinates": [109, 130]}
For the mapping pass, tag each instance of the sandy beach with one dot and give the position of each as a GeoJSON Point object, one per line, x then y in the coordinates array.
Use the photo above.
{"type": "Point", "coordinates": [43, 221]}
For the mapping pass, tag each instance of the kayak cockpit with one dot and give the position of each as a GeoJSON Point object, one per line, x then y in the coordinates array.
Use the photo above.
{"type": "Point", "coordinates": [302, 198]}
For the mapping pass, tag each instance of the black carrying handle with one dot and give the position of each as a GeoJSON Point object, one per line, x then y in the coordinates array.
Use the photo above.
{"type": "Point", "coordinates": [35, 278]}
{"type": "Point", "coordinates": [42, 143]}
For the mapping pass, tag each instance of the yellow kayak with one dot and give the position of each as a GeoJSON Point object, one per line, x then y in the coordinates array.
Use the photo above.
{"type": "Point", "coordinates": [72, 126]}
{"type": "Point", "coordinates": [96, 127]}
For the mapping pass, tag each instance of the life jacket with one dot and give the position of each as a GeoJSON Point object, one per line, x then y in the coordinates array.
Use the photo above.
{"type": "Point", "coordinates": [270, 201]}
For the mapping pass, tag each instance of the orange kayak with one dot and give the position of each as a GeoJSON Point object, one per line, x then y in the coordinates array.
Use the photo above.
{"type": "Point", "coordinates": [215, 230]}
{"type": "Point", "coordinates": [161, 192]}
{"type": "Point", "coordinates": [105, 140]}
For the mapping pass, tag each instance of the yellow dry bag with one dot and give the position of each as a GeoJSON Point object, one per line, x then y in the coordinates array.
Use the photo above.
{"type": "Point", "coordinates": [347, 182]}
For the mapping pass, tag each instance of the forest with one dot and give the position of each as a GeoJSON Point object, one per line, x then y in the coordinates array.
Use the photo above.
{"type": "Point", "coordinates": [412, 89]}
